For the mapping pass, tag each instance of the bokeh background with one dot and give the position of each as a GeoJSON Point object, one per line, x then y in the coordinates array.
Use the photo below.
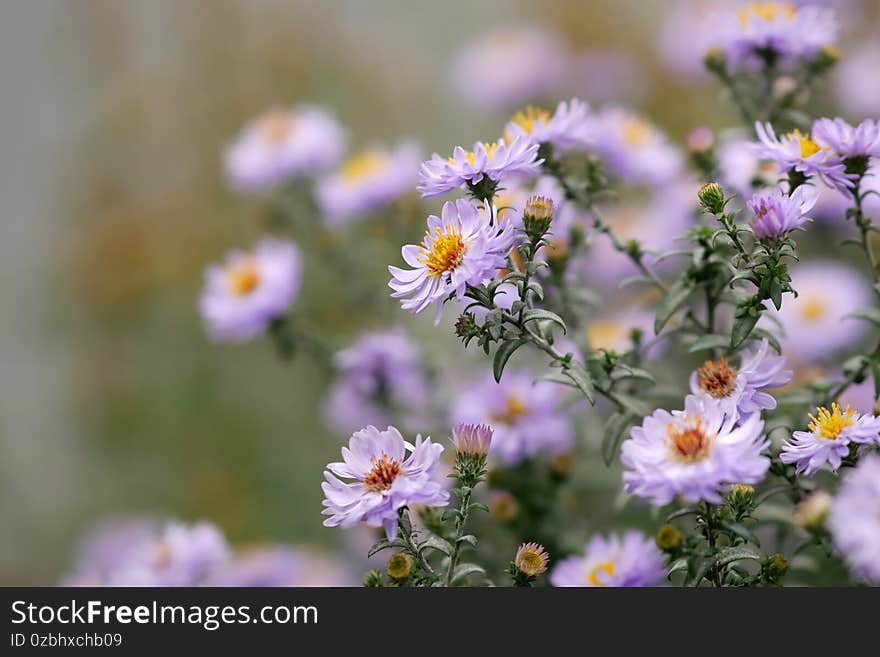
{"type": "Point", "coordinates": [115, 114]}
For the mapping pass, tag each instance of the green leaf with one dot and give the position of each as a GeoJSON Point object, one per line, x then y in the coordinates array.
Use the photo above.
{"type": "Point", "coordinates": [612, 435]}
{"type": "Point", "coordinates": [634, 373]}
{"type": "Point", "coordinates": [678, 566]}
{"type": "Point", "coordinates": [710, 341]}
{"type": "Point", "coordinates": [868, 314]}
{"type": "Point", "coordinates": [770, 492]}
{"type": "Point", "coordinates": [502, 355]}
{"type": "Point", "coordinates": [539, 314]}
{"type": "Point", "coordinates": [434, 542]}
{"type": "Point", "coordinates": [742, 327]}
{"type": "Point", "coordinates": [680, 513]}
{"type": "Point", "coordinates": [478, 506]}
{"type": "Point", "coordinates": [384, 544]}
{"type": "Point", "coordinates": [465, 570]}
{"type": "Point", "coordinates": [676, 297]}
{"type": "Point", "coordinates": [700, 571]}
{"type": "Point", "coordinates": [729, 555]}
{"type": "Point", "coordinates": [581, 379]}
{"type": "Point", "coordinates": [742, 531]}
{"type": "Point", "coordinates": [634, 405]}
{"type": "Point", "coordinates": [468, 538]}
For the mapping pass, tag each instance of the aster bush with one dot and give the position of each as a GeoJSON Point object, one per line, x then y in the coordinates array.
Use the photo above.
{"type": "Point", "coordinates": [630, 315]}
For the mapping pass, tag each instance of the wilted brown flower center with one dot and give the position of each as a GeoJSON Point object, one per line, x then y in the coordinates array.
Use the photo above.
{"type": "Point", "coordinates": [689, 444]}
{"type": "Point", "coordinates": [716, 377]}
{"type": "Point", "coordinates": [383, 474]}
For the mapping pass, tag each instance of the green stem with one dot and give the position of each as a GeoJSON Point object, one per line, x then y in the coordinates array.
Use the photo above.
{"type": "Point", "coordinates": [406, 533]}
{"type": "Point", "coordinates": [460, 520]}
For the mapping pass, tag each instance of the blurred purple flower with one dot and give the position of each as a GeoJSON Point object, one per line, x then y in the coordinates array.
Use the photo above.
{"type": "Point", "coordinates": [509, 66]}
{"type": "Point", "coordinates": [389, 473]}
{"type": "Point", "coordinates": [631, 560]}
{"type": "Point", "coordinates": [854, 519]}
{"type": "Point", "coordinates": [283, 145]}
{"type": "Point", "coordinates": [854, 80]}
{"type": "Point", "coordinates": [848, 141]}
{"type": "Point", "coordinates": [565, 128]}
{"type": "Point", "coordinates": [816, 323]}
{"type": "Point", "coordinates": [367, 182]}
{"type": "Point", "coordinates": [280, 565]}
{"type": "Point", "coordinates": [633, 148]}
{"type": "Point", "coordinates": [523, 413]}
{"type": "Point", "coordinates": [243, 295]}
{"type": "Point", "coordinates": [380, 380]}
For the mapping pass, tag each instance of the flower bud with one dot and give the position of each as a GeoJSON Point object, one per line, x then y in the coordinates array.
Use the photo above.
{"type": "Point", "coordinates": [825, 59]}
{"type": "Point", "coordinates": [775, 566]}
{"type": "Point", "coordinates": [466, 327]}
{"type": "Point", "coordinates": [741, 496]}
{"type": "Point", "coordinates": [561, 464]}
{"type": "Point", "coordinates": [471, 442]}
{"type": "Point", "coordinates": [811, 512]}
{"type": "Point", "coordinates": [372, 579]}
{"type": "Point", "coordinates": [668, 538]}
{"type": "Point", "coordinates": [531, 559]}
{"type": "Point", "coordinates": [711, 197]}
{"type": "Point", "coordinates": [537, 215]}
{"type": "Point", "coordinates": [399, 566]}
{"type": "Point", "coordinates": [715, 61]}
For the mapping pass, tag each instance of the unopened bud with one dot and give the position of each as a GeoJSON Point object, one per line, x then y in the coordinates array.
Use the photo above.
{"type": "Point", "coordinates": [711, 197]}
{"type": "Point", "coordinates": [775, 566]}
{"type": "Point", "coordinates": [715, 61]}
{"type": "Point", "coordinates": [372, 579]}
{"type": "Point", "coordinates": [825, 59]}
{"type": "Point", "coordinates": [399, 566]}
{"type": "Point", "coordinates": [741, 496]}
{"type": "Point", "coordinates": [537, 215]}
{"type": "Point", "coordinates": [668, 538]}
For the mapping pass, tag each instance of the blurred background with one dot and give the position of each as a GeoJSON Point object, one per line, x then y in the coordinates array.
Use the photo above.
{"type": "Point", "coordinates": [115, 116]}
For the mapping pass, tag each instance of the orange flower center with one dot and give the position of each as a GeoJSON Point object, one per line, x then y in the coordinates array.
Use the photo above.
{"type": "Point", "coordinates": [244, 279]}
{"type": "Point", "coordinates": [383, 474]}
{"type": "Point", "coordinates": [690, 443]}
{"type": "Point", "coordinates": [716, 377]}
{"type": "Point", "coordinates": [514, 409]}
{"type": "Point", "coordinates": [445, 254]}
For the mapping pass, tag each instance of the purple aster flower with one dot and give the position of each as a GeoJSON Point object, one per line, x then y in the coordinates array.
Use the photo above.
{"type": "Point", "coordinates": [854, 519]}
{"type": "Point", "coordinates": [497, 161]}
{"type": "Point", "coordinates": [280, 565]}
{"type": "Point", "coordinates": [283, 145]}
{"type": "Point", "coordinates": [509, 66]}
{"type": "Point", "coordinates": [633, 148]}
{"type": "Point", "coordinates": [472, 439]}
{"type": "Point", "coordinates": [367, 182]}
{"type": "Point", "coordinates": [832, 204]}
{"type": "Point", "coordinates": [460, 248]}
{"type": "Point", "coordinates": [851, 80]}
{"type": "Point", "coordinates": [829, 438]}
{"type": "Point", "coordinates": [789, 31]}
{"type": "Point", "coordinates": [693, 453]}
{"type": "Point", "coordinates": [389, 474]}
{"type": "Point", "coordinates": [738, 391]}
{"type": "Point", "coordinates": [630, 560]}
{"type": "Point", "coordinates": [523, 413]}
{"type": "Point", "coordinates": [799, 152]}
{"type": "Point", "coordinates": [565, 128]}
{"type": "Point", "coordinates": [847, 141]}
{"type": "Point", "coordinates": [380, 379]}
{"type": "Point", "coordinates": [816, 323]}
{"type": "Point", "coordinates": [777, 213]}
{"type": "Point", "coordinates": [607, 75]}
{"type": "Point", "coordinates": [146, 553]}
{"type": "Point", "coordinates": [243, 295]}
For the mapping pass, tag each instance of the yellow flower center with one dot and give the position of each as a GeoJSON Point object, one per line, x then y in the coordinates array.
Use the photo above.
{"type": "Point", "coordinates": [244, 278]}
{"type": "Point", "coordinates": [382, 474]}
{"type": "Point", "coordinates": [716, 377]}
{"type": "Point", "coordinates": [636, 131]}
{"type": "Point", "coordinates": [490, 152]}
{"type": "Point", "coordinates": [812, 309]}
{"type": "Point", "coordinates": [528, 117]}
{"type": "Point", "coordinates": [531, 560]}
{"type": "Point", "coordinates": [275, 127]}
{"type": "Point", "coordinates": [808, 146]}
{"type": "Point", "coordinates": [605, 335]}
{"type": "Point", "coordinates": [445, 254]}
{"type": "Point", "coordinates": [514, 409]}
{"type": "Point", "coordinates": [829, 425]}
{"type": "Point", "coordinates": [766, 11]}
{"type": "Point", "coordinates": [688, 444]}
{"type": "Point", "coordinates": [607, 568]}
{"type": "Point", "coordinates": [364, 165]}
